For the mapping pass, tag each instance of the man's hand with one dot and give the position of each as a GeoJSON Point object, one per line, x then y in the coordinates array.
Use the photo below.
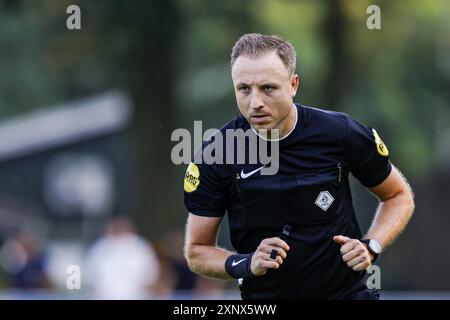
{"type": "Point", "coordinates": [261, 260]}
{"type": "Point", "coordinates": [354, 253]}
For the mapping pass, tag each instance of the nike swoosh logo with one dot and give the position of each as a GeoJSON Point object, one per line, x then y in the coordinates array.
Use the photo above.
{"type": "Point", "coordinates": [246, 175]}
{"type": "Point", "coordinates": [235, 263]}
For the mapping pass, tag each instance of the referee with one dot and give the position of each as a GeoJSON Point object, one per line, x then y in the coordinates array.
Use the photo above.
{"type": "Point", "coordinates": [295, 233]}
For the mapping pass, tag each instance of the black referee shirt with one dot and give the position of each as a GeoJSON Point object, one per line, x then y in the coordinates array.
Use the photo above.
{"type": "Point", "coordinates": [310, 193]}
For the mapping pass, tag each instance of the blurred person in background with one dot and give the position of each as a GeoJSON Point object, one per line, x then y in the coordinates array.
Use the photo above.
{"type": "Point", "coordinates": [23, 257]}
{"type": "Point", "coordinates": [121, 264]}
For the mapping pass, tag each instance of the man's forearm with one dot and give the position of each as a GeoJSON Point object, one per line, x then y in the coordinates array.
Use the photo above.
{"type": "Point", "coordinates": [208, 261]}
{"type": "Point", "coordinates": [391, 218]}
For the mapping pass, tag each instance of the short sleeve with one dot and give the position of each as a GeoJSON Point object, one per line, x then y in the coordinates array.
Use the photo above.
{"type": "Point", "coordinates": [204, 191]}
{"type": "Point", "coordinates": [366, 154]}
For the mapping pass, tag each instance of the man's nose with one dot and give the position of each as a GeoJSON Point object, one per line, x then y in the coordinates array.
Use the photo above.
{"type": "Point", "coordinates": [256, 102]}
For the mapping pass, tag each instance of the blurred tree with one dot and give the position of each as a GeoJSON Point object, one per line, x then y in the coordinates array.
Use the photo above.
{"type": "Point", "coordinates": [122, 44]}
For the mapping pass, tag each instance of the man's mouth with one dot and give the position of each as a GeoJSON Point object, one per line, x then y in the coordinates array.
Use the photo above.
{"type": "Point", "coordinates": [259, 118]}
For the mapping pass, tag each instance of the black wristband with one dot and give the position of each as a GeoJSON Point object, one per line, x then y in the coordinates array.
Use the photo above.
{"type": "Point", "coordinates": [238, 265]}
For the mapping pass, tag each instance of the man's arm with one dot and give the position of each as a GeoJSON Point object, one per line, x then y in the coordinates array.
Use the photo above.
{"type": "Point", "coordinates": [393, 213]}
{"type": "Point", "coordinates": [200, 249]}
{"type": "Point", "coordinates": [204, 257]}
{"type": "Point", "coordinates": [395, 208]}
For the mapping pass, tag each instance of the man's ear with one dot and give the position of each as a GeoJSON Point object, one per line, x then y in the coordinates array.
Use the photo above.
{"type": "Point", "coordinates": [295, 81]}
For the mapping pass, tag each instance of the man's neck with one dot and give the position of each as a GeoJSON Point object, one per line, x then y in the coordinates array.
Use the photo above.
{"type": "Point", "coordinates": [289, 123]}
{"type": "Point", "coordinates": [288, 126]}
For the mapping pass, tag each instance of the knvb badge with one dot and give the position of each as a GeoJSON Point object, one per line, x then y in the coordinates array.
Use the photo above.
{"type": "Point", "coordinates": [324, 200]}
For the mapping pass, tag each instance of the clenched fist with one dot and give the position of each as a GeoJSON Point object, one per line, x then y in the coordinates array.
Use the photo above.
{"type": "Point", "coordinates": [354, 253]}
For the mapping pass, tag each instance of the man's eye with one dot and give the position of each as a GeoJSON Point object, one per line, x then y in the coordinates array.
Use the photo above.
{"type": "Point", "coordinates": [244, 89]}
{"type": "Point", "coordinates": [267, 88]}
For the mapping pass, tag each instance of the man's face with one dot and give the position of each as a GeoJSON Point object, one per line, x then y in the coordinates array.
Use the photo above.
{"type": "Point", "coordinates": [264, 90]}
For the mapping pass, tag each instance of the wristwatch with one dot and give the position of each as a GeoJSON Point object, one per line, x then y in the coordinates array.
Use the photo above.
{"type": "Point", "coordinates": [374, 247]}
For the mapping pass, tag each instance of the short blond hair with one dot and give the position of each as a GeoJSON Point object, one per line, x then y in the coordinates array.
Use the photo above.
{"type": "Point", "coordinates": [254, 45]}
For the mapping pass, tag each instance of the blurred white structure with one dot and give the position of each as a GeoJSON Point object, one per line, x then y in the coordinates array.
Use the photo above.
{"type": "Point", "coordinates": [65, 124]}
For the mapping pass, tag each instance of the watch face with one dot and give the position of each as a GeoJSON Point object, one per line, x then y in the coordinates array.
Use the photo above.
{"type": "Point", "coordinates": [375, 246]}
